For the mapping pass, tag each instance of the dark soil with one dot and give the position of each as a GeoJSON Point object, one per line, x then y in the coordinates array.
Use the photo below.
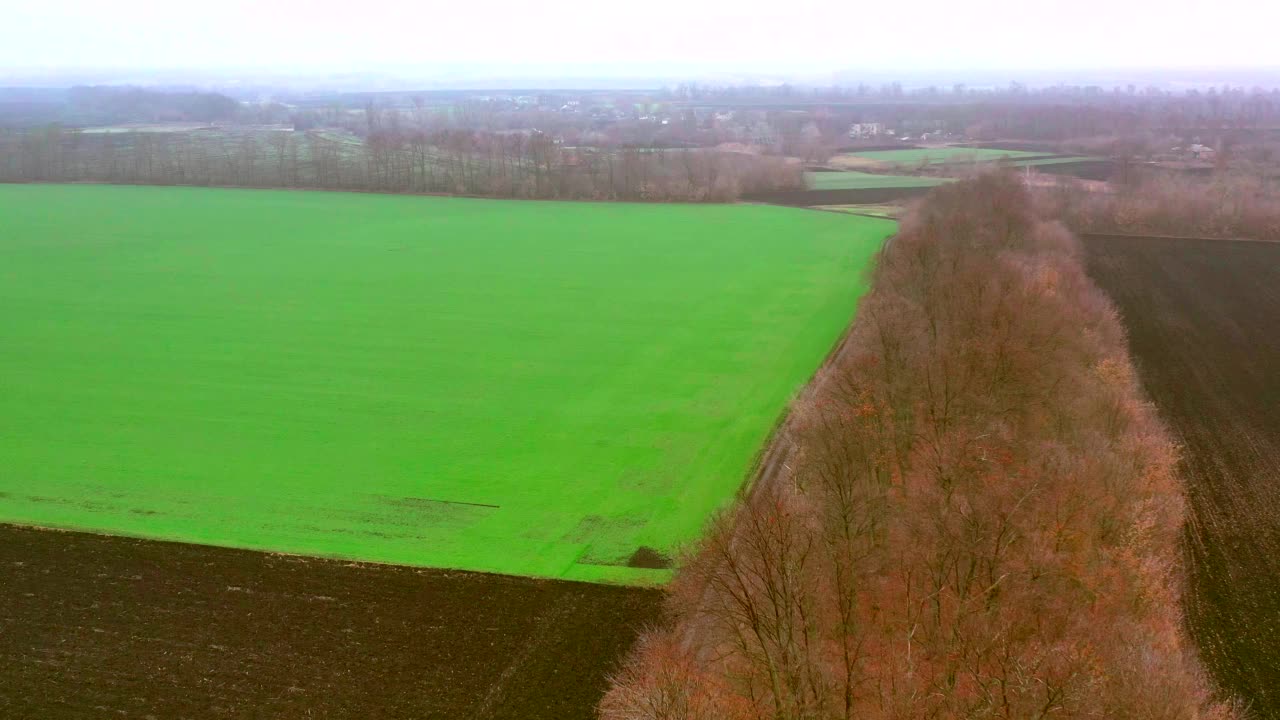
{"type": "Point", "coordinates": [1204, 326]}
{"type": "Point", "coordinates": [96, 626]}
{"type": "Point", "coordinates": [808, 198]}
{"type": "Point", "coordinates": [1085, 169]}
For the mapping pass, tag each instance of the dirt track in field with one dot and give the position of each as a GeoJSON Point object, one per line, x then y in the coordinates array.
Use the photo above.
{"type": "Point", "coordinates": [1204, 327]}
{"type": "Point", "coordinates": [96, 626]}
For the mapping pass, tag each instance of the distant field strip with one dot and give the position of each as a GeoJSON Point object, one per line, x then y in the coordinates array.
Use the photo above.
{"type": "Point", "coordinates": [936, 156]}
{"type": "Point", "coordinates": [885, 211]}
{"type": "Point", "coordinates": [1034, 162]}
{"type": "Point", "coordinates": [531, 388]}
{"type": "Point", "coordinates": [853, 180]}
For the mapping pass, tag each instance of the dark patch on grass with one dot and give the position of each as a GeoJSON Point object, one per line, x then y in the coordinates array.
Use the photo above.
{"type": "Point", "coordinates": [647, 557]}
{"type": "Point", "coordinates": [430, 503]}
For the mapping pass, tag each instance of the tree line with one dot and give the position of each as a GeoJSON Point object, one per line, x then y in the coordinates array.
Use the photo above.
{"type": "Point", "coordinates": [466, 162]}
{"type": "Point", "coordinates": [1241, 204]}
{"type": "Point", "coordinates": [977, 515]}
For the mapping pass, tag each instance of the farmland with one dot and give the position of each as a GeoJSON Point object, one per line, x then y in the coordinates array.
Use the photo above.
{"type": "Point", "coordinates": [982, 420]}
{"type": "Point", "coordinates": [1202, 318]}
{"type": "Point", "coordinates": [940, 155]}
{"type": "Point", "coordinates": [93, 625]}
{"type": "Point", "coordinates": [557, 389]}
{"type": "Point", "coordinates": [883, 210]}
{"type": "Point", "coordinates": [853, 180]}
{"type": "Point", "coordinates": [1050, 161]}
{"type": "Point", "coordinates": [826, 188]}
{"type": "Point", "coordinates": [873, 163]}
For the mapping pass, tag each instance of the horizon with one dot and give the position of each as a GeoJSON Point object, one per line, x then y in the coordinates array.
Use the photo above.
{"type": "Point", "coordinates": [810, 42]}
{"type": "Point", "coordinates": [481, 78]}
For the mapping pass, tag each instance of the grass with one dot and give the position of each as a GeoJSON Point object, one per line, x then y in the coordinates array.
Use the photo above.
{"type": "Point", "coordinates": [521, 387]}
{"type": "Point", "coordinates": [853, 180]}
{"type": "Point", "coordinates": [937, 156]}
{"type": "Point", "coordinates": [1033, 162]}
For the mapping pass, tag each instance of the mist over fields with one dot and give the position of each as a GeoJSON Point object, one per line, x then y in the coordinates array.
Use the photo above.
{"type": "Point", "coordinates": [671, 361]}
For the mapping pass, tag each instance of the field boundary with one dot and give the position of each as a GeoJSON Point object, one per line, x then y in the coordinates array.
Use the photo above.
{"type": "Point", "coordinates": [109, 624]}
{"type": "Point", "coordinates": [1135, 236]}
{"type": "Point", "coordinates": [856, 196]}
{"type": "Point", "coordinates": [343, 560]}
{"type": "Point", "coordinates": [772, 457]}
{"type": "Point", "coordinates": [388, 193]}
{"type": "Point", "coordinates": [767, 460]}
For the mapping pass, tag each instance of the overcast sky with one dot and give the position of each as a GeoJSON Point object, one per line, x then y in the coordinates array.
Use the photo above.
{"type": "Point", "coordinates": [643, 37]}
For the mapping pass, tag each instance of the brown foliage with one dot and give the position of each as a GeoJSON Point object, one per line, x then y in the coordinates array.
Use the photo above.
{"type": "Point", "coordinates": [1226, 206]}
{"type": "Point", "coordinates": [979, 516]}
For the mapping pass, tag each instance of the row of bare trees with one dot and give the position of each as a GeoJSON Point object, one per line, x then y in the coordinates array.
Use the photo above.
{"type": "Point", "coordinates": [1227, 205]}
{"type": "Point", "coordinates": [514, 165]}
{"type": "Point", "coordinates": [978, 517]}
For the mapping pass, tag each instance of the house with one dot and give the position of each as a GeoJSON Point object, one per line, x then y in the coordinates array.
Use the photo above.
{"type": "Point", "coordinates": [865, 130]}
{"type": "Point", "coordinates": [1201, 152]}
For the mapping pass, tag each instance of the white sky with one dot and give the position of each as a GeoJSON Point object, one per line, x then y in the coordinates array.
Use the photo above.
{"type": "Point", "coordinates": [639, 36]}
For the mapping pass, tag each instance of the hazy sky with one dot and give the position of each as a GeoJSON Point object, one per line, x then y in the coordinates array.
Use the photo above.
{"type": "Point", "coordinates": [639, 36]}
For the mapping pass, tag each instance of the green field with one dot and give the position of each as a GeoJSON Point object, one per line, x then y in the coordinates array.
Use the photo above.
{"type": "Point", "coordinates": [1033, 162]}
{"type": "Point", "coordinates": [522, 387]}
{"type": "Point", "coordinates": [937, 156]}
{"type": "Point", "coordinates": [853, 180]}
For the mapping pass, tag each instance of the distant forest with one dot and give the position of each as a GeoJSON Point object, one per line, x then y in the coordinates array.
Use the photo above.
{"type": "Point", "coordinates": [82, 106]}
